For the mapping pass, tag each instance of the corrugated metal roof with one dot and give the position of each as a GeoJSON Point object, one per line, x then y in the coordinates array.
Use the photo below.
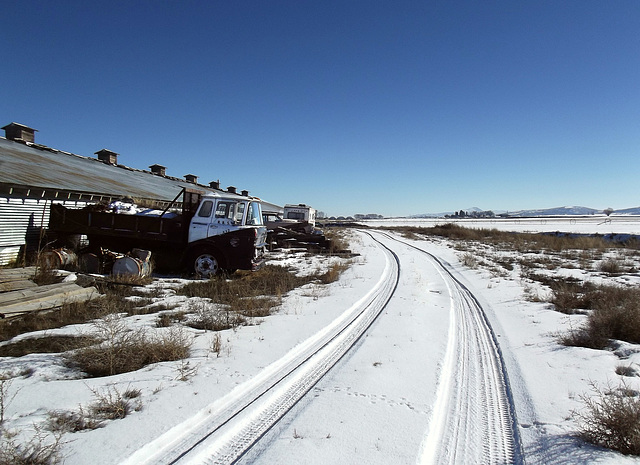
{"type": "Point", "coordinates": [40, 166]}
{"type": "Point", "coordinates": [34, 165]}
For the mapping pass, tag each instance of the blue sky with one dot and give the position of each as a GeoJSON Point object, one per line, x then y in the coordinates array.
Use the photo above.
{"type": "Point", "coordinates": [395, 108]}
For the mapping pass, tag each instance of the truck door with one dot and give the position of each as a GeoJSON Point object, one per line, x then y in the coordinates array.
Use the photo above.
{"type": "Point", "coordinates": [199, 228]}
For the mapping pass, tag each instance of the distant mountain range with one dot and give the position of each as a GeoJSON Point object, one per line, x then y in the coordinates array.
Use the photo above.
{"type": "Point", "coordinates": [557, 211]}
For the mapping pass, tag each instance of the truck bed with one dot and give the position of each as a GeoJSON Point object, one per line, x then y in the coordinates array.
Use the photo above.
{"type": "Point", "coordinates": [106, 224]}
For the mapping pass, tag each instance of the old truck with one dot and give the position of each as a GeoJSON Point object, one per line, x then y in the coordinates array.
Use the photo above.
{"type": "Point", "coordinates": [210, 232]}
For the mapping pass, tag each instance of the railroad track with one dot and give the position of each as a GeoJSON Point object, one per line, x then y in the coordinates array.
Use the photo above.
{"type": "Point", "coordinates": [232, 426]}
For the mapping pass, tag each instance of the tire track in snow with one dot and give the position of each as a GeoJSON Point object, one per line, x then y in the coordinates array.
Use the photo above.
{"type": "Point", "coordinates": [474, 420]}
{"type": "Point", "coordinates": [229, 428]}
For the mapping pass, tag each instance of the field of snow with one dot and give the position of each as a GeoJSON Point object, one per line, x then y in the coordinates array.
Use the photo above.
{"type": "Point", "coordinates": [416, 386]}
{"type": "Point", "coordinates": [594, 224]}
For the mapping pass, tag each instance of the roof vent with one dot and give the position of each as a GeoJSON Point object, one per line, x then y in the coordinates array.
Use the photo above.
{"type": "Point", "coordinates": [107, 156]}
{"type": "Point", "coordinates": [214, 184]}
{"type": "Point", "coordinates": [191, 178]}
{"type": "Point", "coordinates": [245, 193]}
{"type": "Point", "coordinates": [231, 189]}
{"type": "Point", "coordinates": [20, 132]}
{"type": "Point", "coordinates": [158, 169]}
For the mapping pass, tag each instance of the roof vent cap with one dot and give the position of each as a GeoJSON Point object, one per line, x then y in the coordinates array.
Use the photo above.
{"type": "Point", "coordinates": [107, 156]}
{"type": "Point", "coordinates": [19, 132]}
{"type": "Point", "coordinates": [158, 169]}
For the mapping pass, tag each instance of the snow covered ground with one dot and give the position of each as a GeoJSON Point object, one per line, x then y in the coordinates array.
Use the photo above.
{"type": "Point", "coordinates": [392, 398]}
{"type": "Point", "coordinates": [593, 224]}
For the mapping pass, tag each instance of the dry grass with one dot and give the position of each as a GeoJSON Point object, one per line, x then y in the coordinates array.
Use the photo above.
{"type": "Point", "coordinates": [68, 314]}
{"type": "Point", "coordinates": [46, 275]}
{"type": "Point", "coordinates": [124, 350]}
{"type": "Point", "coordinates": [72, 422]}
{"type": "Point", "coordinates": [611, 419]}
{"type": "Point", "coordinates": [40, 449]}
{"type": "Point", "coordinates": [615, 314]}
{"type": "Point", "coordinates": [469, 260]}
{"type": "Point", "coordinates": [45, 345]}
{"type": "Point", "coordinates": [231, 300]}
{"type": "Point", "coordinates": [520, 242]}
{"type": "Point", "coordinates": [212, 317]}
{"type": "Point", "coordinates": [332, 274]}
{"type": "Point", "coordinates": [338, 242]}
{"type": "Point", "coordinates": [108, 405]}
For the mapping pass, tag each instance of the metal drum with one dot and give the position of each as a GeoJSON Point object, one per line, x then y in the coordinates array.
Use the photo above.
{"type": "Point", "coordinates": [131, 266]}
{"type": "Point", "coordinates": [89, 263]}
{"type": "Point", "coordinates": [57, 259]}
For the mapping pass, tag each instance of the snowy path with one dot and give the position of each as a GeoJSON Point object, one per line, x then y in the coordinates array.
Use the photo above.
{"type": "Point", "coordinates": [474, 416]}
{"type": "Point", "coordinates": [465, 412]}
{"type": "Point", "coordinates": [229, 428]}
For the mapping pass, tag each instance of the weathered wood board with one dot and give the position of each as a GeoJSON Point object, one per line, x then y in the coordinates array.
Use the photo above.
{"type": "Point", "coordinates": [17, 274]}
{"type": "Point", "coordinates": [19, 295]}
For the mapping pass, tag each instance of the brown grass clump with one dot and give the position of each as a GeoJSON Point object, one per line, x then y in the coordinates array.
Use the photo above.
{"type": "Point", "coordinates": [212, 317]}
{"type": "Point", "coordinates": [68, 314]}
{"type": "Point", "coordinates": [46, 275]}
{"type": "Point", "coordinates": [570, 296]}
{"type": "Point", "coordinates": [615, 314]}
{"type": "Point", "coordinates": [124, 350]}
{"type": "Point", "coordinates": [237, 291]}
{"type": "Point", "coordinates": [45, 345]}
{"type": "Point", "coordinates": [247, 294]}
{"type": "Point", "coordinates": [39, 450]}
{"type": "Point", "coordinates": [108, 405]}
{"type": "Point", "coordinates": [333, 273]}
{"type": "Point", "coordinates": [611, 419]}
{"type": "Point", "coordinates": [337, 242]}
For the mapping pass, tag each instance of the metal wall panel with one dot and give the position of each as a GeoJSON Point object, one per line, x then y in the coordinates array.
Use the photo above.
{"type": "Point", "coordinates": [21, 221]}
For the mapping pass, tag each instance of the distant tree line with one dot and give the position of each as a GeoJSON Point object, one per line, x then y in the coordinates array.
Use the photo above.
{"type": "Point", "coordinates": [472, 214]}
{"type": "Point", "coordinates": [368, 216]}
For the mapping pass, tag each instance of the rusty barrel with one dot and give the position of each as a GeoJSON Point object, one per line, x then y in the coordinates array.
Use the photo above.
{"type": "Point", "coordinates": [57, 259]}
{"type": "Point", "coordinates": [132, 266]}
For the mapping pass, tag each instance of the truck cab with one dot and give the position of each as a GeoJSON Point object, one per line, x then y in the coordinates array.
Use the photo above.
{"type": "Point", "coordinates": [222, 214]}
{"type": "Point", "coordinates": [222, 232]}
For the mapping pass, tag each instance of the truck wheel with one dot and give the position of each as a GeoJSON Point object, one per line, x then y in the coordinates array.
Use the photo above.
{"type": "Point", "coordinates": [205, 265]}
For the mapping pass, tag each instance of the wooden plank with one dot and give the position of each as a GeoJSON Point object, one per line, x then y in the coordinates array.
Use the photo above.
{"type": "Point", "coordinates": [24, 295]}
{"type": "Point", "coordinates": [16, 285]}
{"type": "Point", "coordinates": [53, 301]}
{"type": "Point", "coordinates": [17, 274]}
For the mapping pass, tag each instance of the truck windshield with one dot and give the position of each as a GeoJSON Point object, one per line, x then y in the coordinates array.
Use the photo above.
{"type": "Point", "coordinates": [295, 216]}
